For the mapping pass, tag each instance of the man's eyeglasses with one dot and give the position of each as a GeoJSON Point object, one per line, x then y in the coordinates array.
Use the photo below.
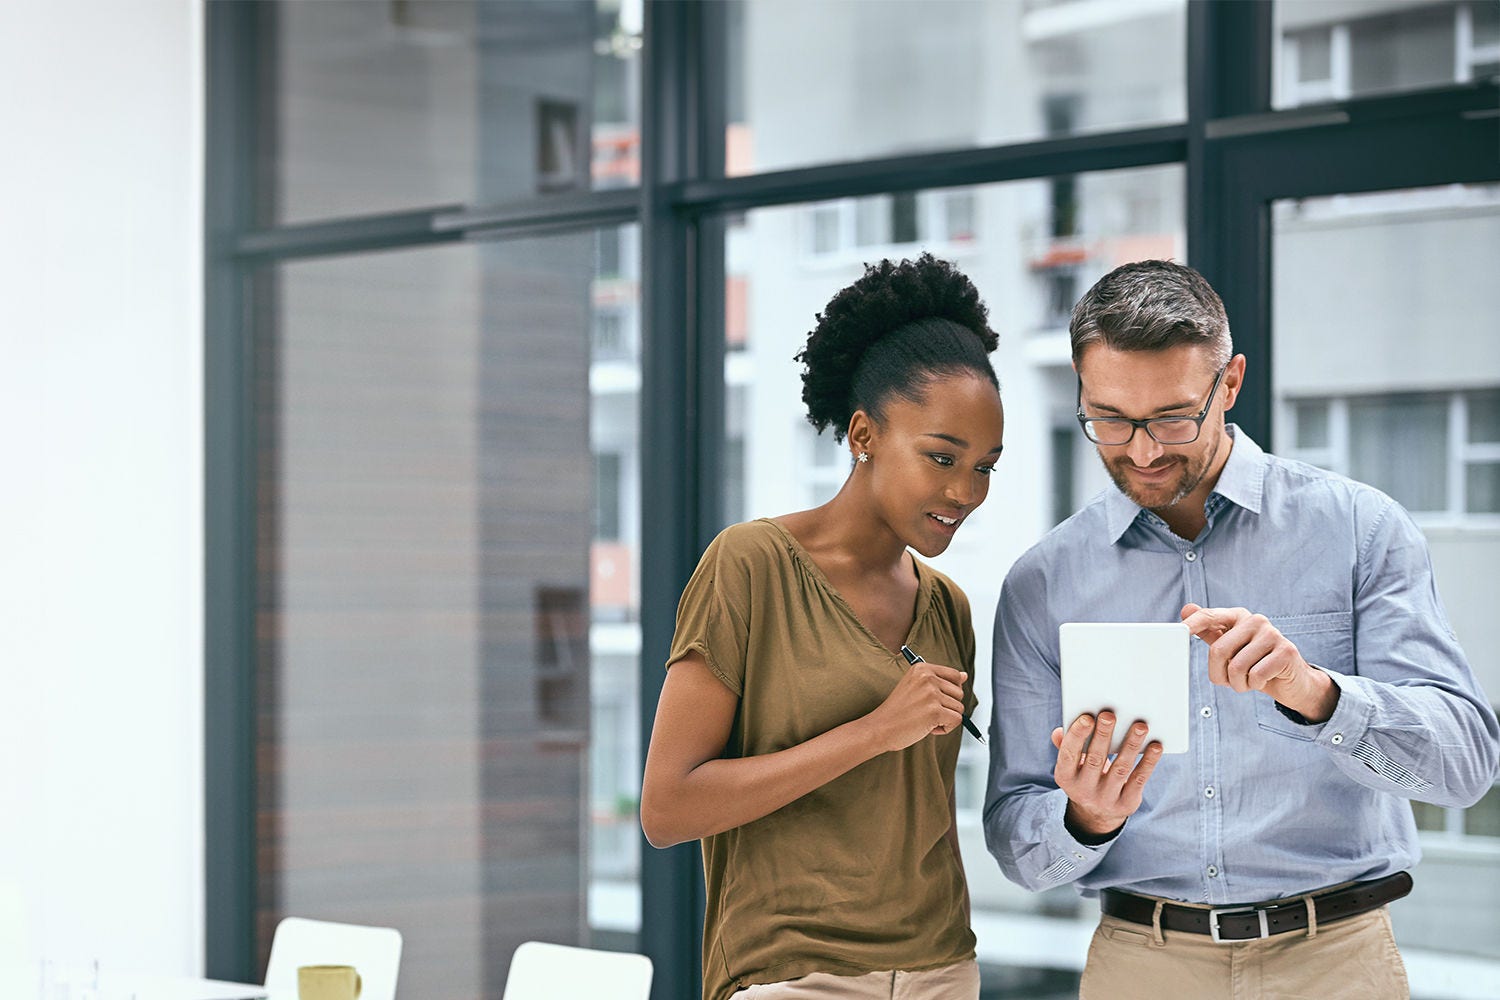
{"type": "Point", "coordinates": [1163, 430]}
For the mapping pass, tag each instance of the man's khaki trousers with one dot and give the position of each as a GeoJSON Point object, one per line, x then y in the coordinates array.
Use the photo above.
{"type": "Point", "coordinates": [1354, 957]}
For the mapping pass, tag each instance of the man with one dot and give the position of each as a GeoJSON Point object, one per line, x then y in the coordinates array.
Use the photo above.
{"type": "Point", "coordinates": [1327, 687]}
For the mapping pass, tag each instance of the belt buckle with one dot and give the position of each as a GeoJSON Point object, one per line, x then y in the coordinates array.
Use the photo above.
{"type": "Point", "coordinates": [1213, 923]}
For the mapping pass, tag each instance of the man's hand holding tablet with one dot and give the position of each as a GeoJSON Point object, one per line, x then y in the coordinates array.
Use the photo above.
{"type": "Point", "coordinates": [1116, 679]}
{"type": "Point", "coordinates": [1102, 792]}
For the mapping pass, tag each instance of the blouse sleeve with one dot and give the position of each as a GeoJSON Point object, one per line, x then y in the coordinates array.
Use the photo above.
{"type": "Point", "coordinates": [712, 614]}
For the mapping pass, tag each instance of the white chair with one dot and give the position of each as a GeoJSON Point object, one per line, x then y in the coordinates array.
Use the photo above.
{"type": "Point", "coordinates": [375, 953]}
{"type": "Point", "coordinates": [542, 971]}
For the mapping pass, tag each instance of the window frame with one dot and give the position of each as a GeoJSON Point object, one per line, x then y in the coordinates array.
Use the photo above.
{"type": "Point", "coordinates": [1239, 155]}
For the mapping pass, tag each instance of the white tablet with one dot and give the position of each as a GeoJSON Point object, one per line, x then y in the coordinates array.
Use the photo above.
{"type": "Point", "coordinates": [1138, 670]}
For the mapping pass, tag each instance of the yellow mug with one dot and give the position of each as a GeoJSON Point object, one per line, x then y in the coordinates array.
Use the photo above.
{"type": "Point", "coordinates": [328, 982]}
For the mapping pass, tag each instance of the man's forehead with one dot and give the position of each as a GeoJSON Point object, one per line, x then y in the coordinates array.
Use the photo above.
{"type": "Point", "coordinates": [1099, 362]}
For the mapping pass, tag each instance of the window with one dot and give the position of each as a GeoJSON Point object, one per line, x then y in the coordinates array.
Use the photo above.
{"type": "Point", "coordinates": [1404, 445]}
{"type": "Point", "coordinates": [379, 106]}
{"type": "Point", "coordinates": [448, 403]}
{"type": "Point", "coordinates": [1331, 53]}
{"type": "Point", "coordinates": [826, 82]}
{"type": "Point", "coordinates": [443, 544]}
{"type": "Point", "coordinates": [607, 497]}
{"type": "Point", "coordinates": [881, 225]}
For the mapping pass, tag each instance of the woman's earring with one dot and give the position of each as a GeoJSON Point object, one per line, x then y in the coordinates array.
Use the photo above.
{"type": "Point", "coordinates": [862, 457]}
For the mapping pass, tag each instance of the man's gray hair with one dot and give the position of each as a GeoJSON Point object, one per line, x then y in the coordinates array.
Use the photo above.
{"type": "Point", "coordinates": [1151, 305]}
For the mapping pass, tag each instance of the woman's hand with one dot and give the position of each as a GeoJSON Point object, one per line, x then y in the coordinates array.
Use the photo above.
{"type": "Point", "coordinates": [928, 700]}
{"type": "Point", "coordinates": [690, 790]}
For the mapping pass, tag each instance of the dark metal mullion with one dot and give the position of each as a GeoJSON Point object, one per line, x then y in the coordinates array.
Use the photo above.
{"type": "Point", "coordinates": [671, 880]}
{"type": "Point", "coordinates": [955, 168]}
{"type": "Point", "coordinates": [233, 31]}
{"type": "Point", "coordinates": [711, 113]}
{"type": "Point", "coordinates": [1229, 56]}
{"type": "Point", "coordinates": [370, 232]}
{"type": "Point", "coordinates": [1382, 153]}
{"type": "Point", "coordinates": [440, 225]}
{"type": "Point", "coordinates": [1473, 100]}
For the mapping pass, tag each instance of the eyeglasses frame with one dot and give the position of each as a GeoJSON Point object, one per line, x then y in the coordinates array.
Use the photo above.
{"type": "Point", "coordinates": [1145, 425]}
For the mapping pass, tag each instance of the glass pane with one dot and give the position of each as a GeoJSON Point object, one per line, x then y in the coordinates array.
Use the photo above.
{"type": "Point", "coordinates": [1006, 245]}
{"type": "Point", "coordinates": [1482, 486]}
{"type": "Point", "coordinates": [1403, 51]}
{"type": "Point", "coordinates": [846, 79]}
{"type": "Point", "coordinates": [1314, 54]}
{"type": "Point", "coordinates": [1484, 417]}
{"type": "Point", "coordinates": [1483, 819]}
{"type": "Point", "coordinates": [1384, 304]}
{"type": "Point", "coordinates": [1312, 424]}
{"type": "Point", "coordinates": [385, 106]}
{"type": "Point", "coordinates": [1400, 445]}
{"type": "Point", "coordinates": [1349, 49]}
{"type": "Point", "coordinates": [1430, 818]}
{"type": "Point", "coordinates": [447, 605]}
{"type": "Point", "coordinates": [1485, 15]}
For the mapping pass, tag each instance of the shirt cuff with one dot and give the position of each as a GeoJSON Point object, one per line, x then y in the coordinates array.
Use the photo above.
{"type": "Point", "coordinates": [1066, 847]}
{"type": "Point", "coordinates": [1350, 718]}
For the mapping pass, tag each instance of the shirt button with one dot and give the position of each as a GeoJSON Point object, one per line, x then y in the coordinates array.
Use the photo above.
{"type": "Point", "coordinates": [1191, 555]}
{"type": "Point", "coordinates": [1208, 792]}
{"type": "Point", "coordinates": [1213, 871]}
{"type": "Point", "coordinates": [1206, 711]}
{"type": "Point", "coordinates": [1337, 738]}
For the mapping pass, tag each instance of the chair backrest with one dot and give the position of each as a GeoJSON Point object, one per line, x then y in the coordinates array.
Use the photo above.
{"type": "Point", "coordinates": [542, 971]}
{"type": "Point", "coordinates": [375, 952]}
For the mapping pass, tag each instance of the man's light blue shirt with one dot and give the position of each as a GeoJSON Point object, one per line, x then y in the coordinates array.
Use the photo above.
{"type": "Point", "coordinates": [1263, 805]}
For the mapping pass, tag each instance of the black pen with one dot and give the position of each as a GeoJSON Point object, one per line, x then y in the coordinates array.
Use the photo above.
{"type": "Point", "coordinates": [914, 659]}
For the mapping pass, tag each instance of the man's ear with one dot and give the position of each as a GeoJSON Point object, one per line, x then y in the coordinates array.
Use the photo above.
{"type": "Point", "coordinates": [1234, 380]}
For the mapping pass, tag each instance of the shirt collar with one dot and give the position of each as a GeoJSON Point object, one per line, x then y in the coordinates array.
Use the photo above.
{"type": "Point", "coordinates": [1241, 482]}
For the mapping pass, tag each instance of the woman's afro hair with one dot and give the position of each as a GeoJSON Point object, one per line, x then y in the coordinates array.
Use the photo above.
{"type": "Point", "coordinates": [888, 297]}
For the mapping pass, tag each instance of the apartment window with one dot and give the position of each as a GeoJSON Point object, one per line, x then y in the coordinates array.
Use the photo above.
{"type": "Point", "coordinates": [1438, 454]}
{"type": "Point", "coordinates": [1386, 50]}
{"type": "Point", "coordinates": [959, 222]}
{"type": "Point", "coordinates": [889, 225]}
{"type": "Point", "coordinates": [611, 335]}
{"type": "Point", "coordinates": [609, 256]}
{"type": "Point", "coordinates": [1479, 40]}
{"type": "Point", "coordinates": [1477, 826]}
{"type": "Point", "coordinates": [607, 486]}
{"type": "Point", "coordinates": [1060, 292]}
{"type": "Point", "coordinates": [824, 224]}
{"type": "Point", "coordinates": [1402, 51]}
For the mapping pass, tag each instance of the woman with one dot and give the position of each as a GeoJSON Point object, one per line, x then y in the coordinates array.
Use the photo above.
{"type": "Point", "coordinates": [791, 736]}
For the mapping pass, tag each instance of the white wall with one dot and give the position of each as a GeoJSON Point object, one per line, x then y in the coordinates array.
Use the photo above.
{"type": "Point", "coordinates": [101, 721]}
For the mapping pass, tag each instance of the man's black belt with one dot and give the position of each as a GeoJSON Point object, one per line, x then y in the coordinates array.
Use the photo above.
{"type": "Point", "coordinates": [1258, 920]}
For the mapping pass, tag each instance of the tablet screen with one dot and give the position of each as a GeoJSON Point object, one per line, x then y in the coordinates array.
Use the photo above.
{"type": "Point", "coordinates": [1138, 670]}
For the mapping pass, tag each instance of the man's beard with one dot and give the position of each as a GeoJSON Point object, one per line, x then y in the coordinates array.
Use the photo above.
{"type": "Point", "coordinates": [1167, 494]}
